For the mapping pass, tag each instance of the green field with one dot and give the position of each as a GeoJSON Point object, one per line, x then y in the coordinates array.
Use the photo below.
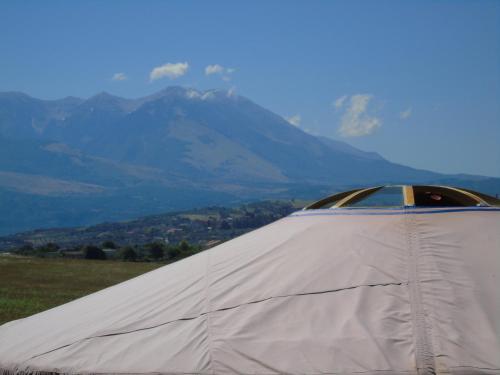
{"type": "Point", "coordinates": [31, 285]}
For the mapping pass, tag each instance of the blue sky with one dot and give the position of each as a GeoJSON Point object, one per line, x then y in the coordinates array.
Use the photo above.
{"type": "Point", "coordinates": [418, 82]}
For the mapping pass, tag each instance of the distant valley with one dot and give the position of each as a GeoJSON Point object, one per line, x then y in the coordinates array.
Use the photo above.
{"type": "Point", "coordinates": [201, 227]}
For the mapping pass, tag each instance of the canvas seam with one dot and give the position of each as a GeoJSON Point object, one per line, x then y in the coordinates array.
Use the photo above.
{"type": "Point", "coordinates": [424, 356]}
{"type": "Point", "coordinates": [430, 336]}
{"type": "Point", "coordinates": [207, 317]}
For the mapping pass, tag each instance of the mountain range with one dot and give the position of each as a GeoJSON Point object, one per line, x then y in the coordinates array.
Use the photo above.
{"type": "Point", "coordinates": [80, 161]}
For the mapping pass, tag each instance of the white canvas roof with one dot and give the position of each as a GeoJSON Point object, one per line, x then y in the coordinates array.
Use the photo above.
{"type": "Point", "coordinates": [322, 291]}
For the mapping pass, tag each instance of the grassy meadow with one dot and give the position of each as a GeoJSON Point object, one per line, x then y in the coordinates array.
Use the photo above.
{"type": "Point", "coordinates": [31, 285]}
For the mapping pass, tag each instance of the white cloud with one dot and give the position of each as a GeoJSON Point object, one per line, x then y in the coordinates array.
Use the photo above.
{"type": "Point", "coordinates": [169, 70]}
{"type": "Point", "coordinates": [231, 93]}
{"type": "Point", "coordinates": [207, 95]}
{"type": "Point", "coordinates": [339, 102]}
{"type": "Point", "coordinates": [406, 114]}
{"type": "Point", "coordinates": [214, 69]}
{"type": "Point", "coordinates": [195, 94]}
{"type": "Point", "coordinates": [119, 77]}
{"type": "Point", "coordinates": [294, 120]}
{"type": "Point", "coordinates": [355, 121]}
{"type": "Point", "coordinates": [225, 73]}
{"type": "Point", "coordinates": [212, 94]}
{"type": "Point", "coordinates": [191, 94]}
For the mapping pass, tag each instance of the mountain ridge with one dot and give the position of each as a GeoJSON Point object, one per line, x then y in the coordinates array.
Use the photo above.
{"type": "Point", "coordinates": [208, 146]}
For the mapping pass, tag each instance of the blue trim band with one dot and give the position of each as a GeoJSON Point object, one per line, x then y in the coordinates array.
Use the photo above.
{"type": "Point", "coordinates": [398, 211]}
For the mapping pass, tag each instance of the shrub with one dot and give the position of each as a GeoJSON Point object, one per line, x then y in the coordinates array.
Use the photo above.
{"type": "Point", "coordinates": [128, 254]}
{"type": "Point", "coordinates": [108, 245]}
{"type": "Point", "coordinates": [93, 252]}
{"type": "Point", "coordinates": [156, 250]}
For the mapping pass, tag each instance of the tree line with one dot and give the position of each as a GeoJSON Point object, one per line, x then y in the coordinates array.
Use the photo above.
{"type": "Point", "coordinates": [108, 250]}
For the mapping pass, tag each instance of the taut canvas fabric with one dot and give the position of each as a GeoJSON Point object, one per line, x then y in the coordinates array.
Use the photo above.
{"type": "Point", "coordinates": [371, 291]}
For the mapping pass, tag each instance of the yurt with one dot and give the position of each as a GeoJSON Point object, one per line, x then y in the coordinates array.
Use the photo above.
{"type": "Point", "coordinates": [385, 280]}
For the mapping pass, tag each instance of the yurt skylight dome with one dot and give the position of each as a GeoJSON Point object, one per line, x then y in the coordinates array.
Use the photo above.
{"type": "Point", "coordinates": [392, 196]}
